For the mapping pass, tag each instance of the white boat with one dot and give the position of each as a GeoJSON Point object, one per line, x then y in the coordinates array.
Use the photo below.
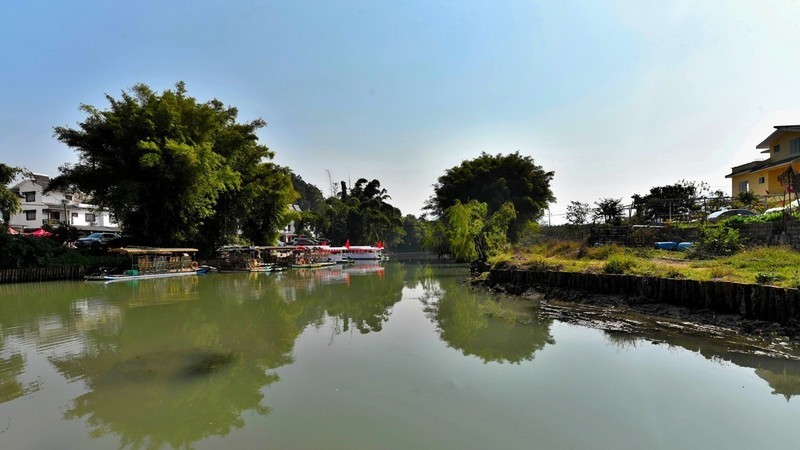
{"type": "Point", "coordinates": [354, 252]}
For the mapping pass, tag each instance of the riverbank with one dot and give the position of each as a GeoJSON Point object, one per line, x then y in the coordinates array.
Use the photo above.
{"type": "Point", "coordinates": [716, 293]}
{"type": "Point", "coordinates": [762, 311]}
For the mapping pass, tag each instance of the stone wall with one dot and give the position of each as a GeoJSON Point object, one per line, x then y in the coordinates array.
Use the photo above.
{"type": "Point", "coordinates": [749, 301]}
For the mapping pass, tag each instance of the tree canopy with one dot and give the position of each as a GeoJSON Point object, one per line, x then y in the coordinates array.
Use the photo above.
{"type": "Point", "coordinates": [665, 202]}
{"type": "Point", "coordinates": [173, 170]}
{"type": "Point", "coordinates": [609, 210]}
{"type": "Point", "coordinates": [495, 180]}
{"type": "Point", "coordinates": [361, 214]}
{"type": "Point", "coordinates": [9, 201]}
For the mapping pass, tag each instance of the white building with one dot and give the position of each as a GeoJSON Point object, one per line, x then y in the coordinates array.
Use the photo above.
{"type": "Point", "coordinates": [40, 209]}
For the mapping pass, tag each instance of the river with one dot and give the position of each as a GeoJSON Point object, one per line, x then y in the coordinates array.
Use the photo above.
{"type": "Point", "coordinates": [366, 356]}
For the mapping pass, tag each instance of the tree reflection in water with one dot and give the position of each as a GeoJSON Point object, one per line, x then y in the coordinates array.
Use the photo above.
{"type": "Point", "coordinates": [174, 374]}
{"type": "Point", "coordinates": [495, 329]}
{"type": "Point", "coordinates": [176, 368]}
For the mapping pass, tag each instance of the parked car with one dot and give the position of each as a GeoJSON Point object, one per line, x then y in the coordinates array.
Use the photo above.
{"type": "Point", "coordinates": [716, 216]}
{"type": "Point", "coordinates": [96, 240]}
{"type": "Point", "coordinates": [304, 241]}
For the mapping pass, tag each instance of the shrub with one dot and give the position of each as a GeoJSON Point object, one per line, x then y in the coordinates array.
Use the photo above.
{"type": "Point", "coordinates": [716, 241]}
{"type": "Point", "coordinates": [542, 265]}
{"type": "Point", "coordinates": [767, 277]}
{"type": "Point", "coordinates": [619, 263]}
{"type": "Point", "coordinates": [603, 251]}
{"type": "Point", "coordinates": [643, 237]}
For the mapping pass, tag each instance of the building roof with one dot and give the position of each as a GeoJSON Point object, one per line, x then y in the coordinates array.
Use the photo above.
{"type": "Point", "coordinates": [779, 131]}
{"type": "Point", "coordinates": [758, 166]}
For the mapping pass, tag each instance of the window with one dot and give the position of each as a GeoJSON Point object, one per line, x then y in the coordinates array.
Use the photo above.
{"type": "Point", "coordinates": [744, 186]}
{"type": "Point", "coordinates": [761, 180]}
{"type": "Point", "coordinates": [794, 146]}
{"type": "Point", "coordinates": [54, 215]}
{"type": "Point", "coordinates": [776, 148]}
{"type": "Point", "coordinates": [29, 196]}
{"type": "Point", "coordinates": [89, 217]}
{"type": "Point", "coordinates": [68, 197]}
{"type": "Point", "coordinates": [30, 215]}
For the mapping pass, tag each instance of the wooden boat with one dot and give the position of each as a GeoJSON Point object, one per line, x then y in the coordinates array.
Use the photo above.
{"type": "Point", "coordinates": [313, 265]}
{"type": "Point", "coordinates": [153, 262]}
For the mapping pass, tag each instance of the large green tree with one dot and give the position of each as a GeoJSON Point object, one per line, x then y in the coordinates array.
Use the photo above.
{"type": "Point", "coordinates": [175, 171]}
{"type": "Point", "coordinates": [362, 215]}
{"type": "Point", "coordinates": [495, 180]}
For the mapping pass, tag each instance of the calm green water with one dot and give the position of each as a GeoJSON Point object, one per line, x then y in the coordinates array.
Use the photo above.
{"type": "Point", "coordinates": [393, 356]}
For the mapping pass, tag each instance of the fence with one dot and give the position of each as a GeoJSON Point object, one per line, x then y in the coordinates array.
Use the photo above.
{"type": "Point", "coordinates": [43, 274]}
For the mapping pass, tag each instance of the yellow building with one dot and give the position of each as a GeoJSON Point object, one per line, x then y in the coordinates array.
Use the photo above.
{"type": "Point", "coordinates": [761, 177]}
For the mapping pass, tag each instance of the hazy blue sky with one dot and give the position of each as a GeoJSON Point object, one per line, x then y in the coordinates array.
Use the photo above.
{"type": "Point", "coordinates": [614, 96]}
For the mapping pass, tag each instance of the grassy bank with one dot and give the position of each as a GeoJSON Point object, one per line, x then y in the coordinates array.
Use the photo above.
{"type": "Point", "coordinates": [779, 266]}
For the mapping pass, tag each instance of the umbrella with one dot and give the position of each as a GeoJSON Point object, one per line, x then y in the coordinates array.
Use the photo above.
{"type": "Point", "coordinates": [12, 231]}
{"type": "Point", "coordinates": [41, 232]}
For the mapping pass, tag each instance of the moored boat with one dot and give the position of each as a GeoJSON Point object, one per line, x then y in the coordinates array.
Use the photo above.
{"type": "Point", "coordinates": [153, 262]}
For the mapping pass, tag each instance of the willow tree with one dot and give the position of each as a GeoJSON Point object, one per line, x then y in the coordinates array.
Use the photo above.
{"type": "Point", "coordinates": [473, 234]}
{"type": "Point", "coordinates": [168, 166]}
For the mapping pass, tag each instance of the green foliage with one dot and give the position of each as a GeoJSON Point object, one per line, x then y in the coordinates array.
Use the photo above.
{"type": "Point", "coordinates": [578, 213]}
{"type": "Point", "coordinates": [747, 199]}
{"type": "Point", "coordinates": [619, 263]}
{"type": "Point", "coordinates": [539, 264]}
{"type": "Point", "coordinates": [17, 252]}
{"type": "Point", "coordinates": [413, 235]}
{"type": "Point", "coordinates": [767, 277]}
{"type": "Point", "coordinates": [362, 215]}
{"type": "Point", "coordinates": [495, 180]}
{"type": "Point", "coordinates": [9, 201]}
{"type": "Point", "coordinates": [65, 232]}
{"type": "Point", "coordinates": [311, 198]}
{"type": "Point", "coordinates": [602, 252]}
{"type": "Point", "coordinates": [175, 171]}
{"type": "Point", "coordinates": [495, 231]}
{"type": "Point", "coordinates": [675, 200]}
{"type": "Point", "coordinates": [465, 223]}
{"type": "Point", "coordinates": [716, 241]}
{"type": "Point", "coordinates": [531, 232]}
{"type": "Point", "coordinates": [434, 237]}
{"type": "Point", "coordinates": [643, 237]}
{"type": "Point", "coordinates": [609, 210]}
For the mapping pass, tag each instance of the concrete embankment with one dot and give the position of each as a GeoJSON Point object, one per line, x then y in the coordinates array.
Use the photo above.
{"type": "Point", "coordinates": [749, 301]}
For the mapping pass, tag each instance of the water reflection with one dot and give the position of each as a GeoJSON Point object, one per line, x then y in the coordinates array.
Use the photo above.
{"type": "Point", "coordinates": [172, 362]}
{"type": "Point", "coordinates": [495, 329]}
{"type": "Point", "coordinates": [184, 364]}
{"type": "Point", "coordinates": [781, 372]}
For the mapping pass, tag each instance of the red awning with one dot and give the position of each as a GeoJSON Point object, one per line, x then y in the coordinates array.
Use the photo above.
{"type": "Point", "coordinates": [41, 232]}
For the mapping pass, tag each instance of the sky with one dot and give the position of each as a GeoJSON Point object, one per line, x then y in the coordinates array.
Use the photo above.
{"type": "Point", "coordinates": [615, 97]}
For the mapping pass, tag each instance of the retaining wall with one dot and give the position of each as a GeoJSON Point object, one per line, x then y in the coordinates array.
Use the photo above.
{"type": "Point", "coordinates": [43, 274]}
{"type": "Point", "coordinates": [750, 301]}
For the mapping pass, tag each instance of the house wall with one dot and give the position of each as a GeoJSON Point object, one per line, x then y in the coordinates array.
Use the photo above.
{"type": "Point", "coordinates": [56, 206]}
{"type": "Point", "coordinates": [784, 146]}
{"type": "Point", "coordinates": [771, 182]}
